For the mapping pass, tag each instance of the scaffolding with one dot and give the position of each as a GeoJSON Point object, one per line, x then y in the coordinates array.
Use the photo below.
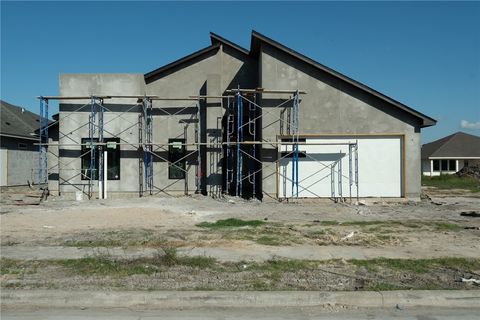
{"type": "Point", "coordinates": [43, 145]}
{"type": "Point", "coordinates": [96, 146]}
{"type": "Point", "coordinates": [241, 147]}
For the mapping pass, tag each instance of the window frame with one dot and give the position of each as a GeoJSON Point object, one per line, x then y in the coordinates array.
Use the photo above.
{"type": "Point", "coordinates": [182, 163]}
{"type": "Point", "coordinates": [87, 157]}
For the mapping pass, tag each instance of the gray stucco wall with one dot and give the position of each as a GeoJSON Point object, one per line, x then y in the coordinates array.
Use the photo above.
{"type": "Point", "coordinates": [73, 126]}
{"type": "Point", "coordinates": [18, 166]}
{"type": "Point", "coordinates": [211, 75]}
{"type": "Point", "coordinates": [329, 107]}
{"type": "Point", "coordinates": [333, 107]}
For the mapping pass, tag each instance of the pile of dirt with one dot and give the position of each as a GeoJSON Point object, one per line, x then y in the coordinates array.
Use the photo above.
{"type": "Point", "coordinates": [470, 171]}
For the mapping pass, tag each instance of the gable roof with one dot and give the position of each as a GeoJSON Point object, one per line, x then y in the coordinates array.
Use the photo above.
{"type": "Point", "coordinates": [155, 74]}
{"type": "Point", "coordinates": [18, 122]}
{"type": "Point", "coordinates": [215, 38]}
{"type": "Point", "coordinates": [257, 40]}
{"type": "Point", "coordinates": [456, 145]}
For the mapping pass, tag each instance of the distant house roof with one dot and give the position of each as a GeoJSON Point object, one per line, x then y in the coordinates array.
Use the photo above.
{"type": "Point", "coordinates": [457, 145]}
{"type": "Point", "coordinates": [256, 40]}
{"type": "Point", "coordinates": [18, 122]}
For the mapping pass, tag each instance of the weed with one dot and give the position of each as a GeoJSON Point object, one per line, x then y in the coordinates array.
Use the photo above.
{"type": "Point", "coordinates": [418, 265]}
{"type": "Point", "coordinates": [170, 257]}
{"type": "Point", "coordinates": [9, 266]}
{"type": "Point", "coordinates": [447, 181]}
{"type": "Point", "coordinates": [446, 226]}
{"type": "Point", "coordinates": [268, 241]}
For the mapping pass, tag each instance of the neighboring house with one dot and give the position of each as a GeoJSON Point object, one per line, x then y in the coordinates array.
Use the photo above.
{"type": "Point", "coordinates": [19, 155]}
{"type": "Point", "coordinates": [450, 154]}
{"type": "Point", "coordinates": [194, 141]}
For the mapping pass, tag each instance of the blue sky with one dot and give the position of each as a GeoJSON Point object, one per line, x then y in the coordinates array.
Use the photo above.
{"type": "Point", "coordinates": [423, 54]}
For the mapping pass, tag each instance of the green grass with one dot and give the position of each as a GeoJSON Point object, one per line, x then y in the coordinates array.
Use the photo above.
{"type": "Point", "coordinates": [378, 225]}
{"type": "Point", "coordinates": [231, 223]}
{"type": "Point", "coordinates": [284, 265]}
{"type": "Point", "coordinates": [9, 266]}
{"type": "Point", "coordinates": [446, 226]}
{"type": "Point", "coordinates": [418, 265]}
{"type": "Point", "coordinates": [123, 238]}
{"type": "Point", "coordinates": [268, 241]}
{"type": "Point", "coordinates": [447, 181]}
{"type": "Point", "coordinates": [112, 267]}
{"type": "Point", "coordinates": [383, 274]}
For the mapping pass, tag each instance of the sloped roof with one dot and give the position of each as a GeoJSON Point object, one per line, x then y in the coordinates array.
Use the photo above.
{"type": "Point", "coordinates": [157, 73]}
{"type": "Point", "coordinates": [256, 41]}
{"type": "Point", "coordinates": [258, 38]}
{"type": "Point", "coordinates": [16, 121]}
{"type": "Point", "coordinates": [215, 38]}
{"type": "Point", "coordinates": [456, 145]}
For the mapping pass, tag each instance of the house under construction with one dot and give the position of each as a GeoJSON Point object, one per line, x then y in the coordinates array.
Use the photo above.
{"type": "Point", "coordinates": [264, 122]}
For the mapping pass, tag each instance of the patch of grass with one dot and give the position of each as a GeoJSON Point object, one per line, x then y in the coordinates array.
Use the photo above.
{"type": "Point", "coordinates": [112, 267]}
{"type": "Point", "coordinates": [418, 265]}
{"type": "Point", "coordinates": [446, 226]}
{"type": "Point", "coordinates": [284, 265]}
{"type": "Point", "coordinates": [200, 262]}
{"type": "Point", "coordinates": [121, 238]}
{"type": "Point", "coordinates": [268, 241]}
{"type": "Point", "coordinates": [378, 225]}
{"type": "Point", "coordinates": [231, 223]}
{"type": "Point", "coordinates": [104, 266]}
{"type": "Point", "coordinates": [329, 223]}
{"type": "Point", "coordinates": [18, 267]}
{"type": "Point", "coordinates": [260, 285]}
{"type": "Point", "coordinates": [9, 266]}
{"type": "Point", "coordinates": [452, 181]}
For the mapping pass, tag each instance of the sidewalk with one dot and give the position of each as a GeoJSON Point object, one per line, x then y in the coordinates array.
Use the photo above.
{"type": "Point", "coordinates": [239, 299]}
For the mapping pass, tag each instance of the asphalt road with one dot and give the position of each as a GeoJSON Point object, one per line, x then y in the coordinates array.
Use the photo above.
{"type": "Point", "coordinates": [242, 314]}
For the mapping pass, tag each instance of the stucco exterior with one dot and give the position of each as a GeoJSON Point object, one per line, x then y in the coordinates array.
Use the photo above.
{"type": "Point", "coordinates": [331, 106]}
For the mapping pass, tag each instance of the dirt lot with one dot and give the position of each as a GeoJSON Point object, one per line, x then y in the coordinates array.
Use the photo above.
{"type": "Point", "coordinates": [188, 243]}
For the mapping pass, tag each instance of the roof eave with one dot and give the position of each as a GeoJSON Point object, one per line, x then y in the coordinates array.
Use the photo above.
{"type": "Point", "coordinates": [258, 38]}
{"type": "Point", "coordinates": [215, 38]}
{"type": "Point", "coordinates": [157, 72]}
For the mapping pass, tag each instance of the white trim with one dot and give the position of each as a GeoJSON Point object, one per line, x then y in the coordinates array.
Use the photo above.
{"type": "Point", "coordinates": [452, 158]}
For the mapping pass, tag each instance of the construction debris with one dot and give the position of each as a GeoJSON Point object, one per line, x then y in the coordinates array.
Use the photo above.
{"type": "Point", "coordinates": [348, 236]}
{"type": "Point", "coordinates": [475, 281]}
{"type": "Point", "coordinates": [473, 214]}
{"type": "Point", "coordinates": [470, 171]}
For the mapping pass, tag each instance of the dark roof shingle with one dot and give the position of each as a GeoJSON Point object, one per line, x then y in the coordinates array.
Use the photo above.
{"type": "Point", "coordinates": [17, 121]}
{"type": "Point", "coordinates": [457, 145]}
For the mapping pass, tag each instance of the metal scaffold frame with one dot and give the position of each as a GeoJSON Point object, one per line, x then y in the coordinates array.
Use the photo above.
{"type": "Point", "coordinates": [43, 145]}
{"type": "Point", "coordinates": [97, 147]}
{"type": "Point", "coordinates": [242, 147]}
{"type": "Point", "coordinates": [293, 136]}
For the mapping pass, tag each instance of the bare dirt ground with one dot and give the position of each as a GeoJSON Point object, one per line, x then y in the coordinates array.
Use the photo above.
{"type": "Point", "coordinates": [310, 232]}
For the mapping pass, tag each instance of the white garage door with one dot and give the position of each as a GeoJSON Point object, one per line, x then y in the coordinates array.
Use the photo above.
{"type": "Point", "coordinates": [328, 168]}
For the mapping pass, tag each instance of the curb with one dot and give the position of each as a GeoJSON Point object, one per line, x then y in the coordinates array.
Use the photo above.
{"type": "Point", "coordinates": [196, 299]}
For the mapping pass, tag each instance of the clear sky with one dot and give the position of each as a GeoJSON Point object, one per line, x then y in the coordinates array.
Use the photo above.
{"type": "Point", "coordinates": [423, 54]}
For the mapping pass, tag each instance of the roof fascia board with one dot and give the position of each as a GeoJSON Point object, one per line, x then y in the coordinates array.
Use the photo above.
{"type": "Point", "coordinates": [215, 38]}
{"type": "Point", "coordinates": [159, 71]}
{"type": "Point", "coordinates": [258, 38]}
